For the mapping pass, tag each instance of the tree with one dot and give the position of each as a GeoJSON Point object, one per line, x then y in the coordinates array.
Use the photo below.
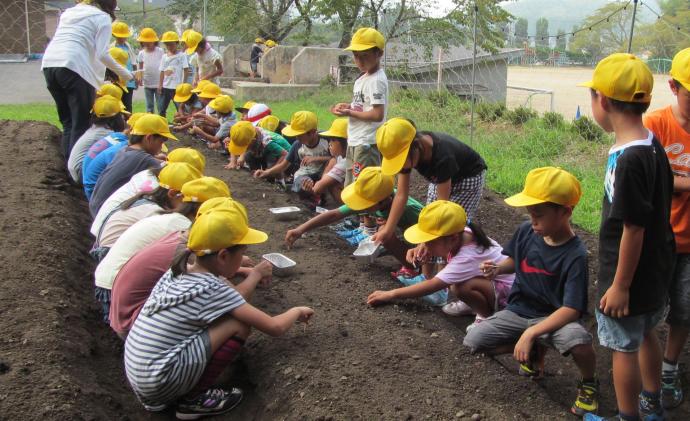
{"type": "Point", "coordinates": [561, 40]}
{"type": "Point", "coordinates": [662, 38]}
{"type": "Point", "coordinates": [521, 34]}
{"type": "Point", "coordinates": [603, 37]}
{"type": "Point", "coordinates": [347, 12]}
{"type": "Point", "coordinates": [542, 35]}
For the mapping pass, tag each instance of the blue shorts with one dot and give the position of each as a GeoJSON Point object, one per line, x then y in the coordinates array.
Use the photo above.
{"type": "Point", "coordinates": [679, 293]}
{"type": "Point", "coordinates": [627, 333]}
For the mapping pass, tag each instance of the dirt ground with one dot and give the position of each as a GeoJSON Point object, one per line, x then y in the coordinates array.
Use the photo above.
{"type": "Point", "coordinates": [402, 361]}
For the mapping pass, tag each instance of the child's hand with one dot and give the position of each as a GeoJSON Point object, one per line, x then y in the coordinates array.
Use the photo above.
{"type": "Point", "coordinates": [308, 185]}
{"type": "Point", "coordinates": [291, 236]}
{"type": "Point", "coordinates": [307, 160]}
{"type": "Point", "coordinates": [263, 269]}
{"type": "Point", "coordinates": [523, 347]}
{"type": "Point", "coordinates": [338, 109]}
{"type": "Point", "coordinates": [305, 314]}
{"type": "Point", "coordinates": [419, 254]}
{"type": "Point", "coordinates": [247, 262]}
{"type": "Point", "coordinates": [490, 269]}
{"type": "Point", "coordinates": [615, 302]}
{"type": "Point", "coordinates": [383, 235]}
{"type": "Point", "coordinates": [379, 297]}
{"type": "Point", "coordinates": [259, 173]}
{"type": "Point", "coordinates": [240, 163]}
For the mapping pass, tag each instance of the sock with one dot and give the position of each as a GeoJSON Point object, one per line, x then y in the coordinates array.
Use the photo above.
{"type": "Point", "coordinates": [669, 368]}
{"type": "Point", "coordinates": [369, 230]}
{"type": "Point", "coordinates": [219, 361]}
{"type": "Point", "coordinates": [625, 417]}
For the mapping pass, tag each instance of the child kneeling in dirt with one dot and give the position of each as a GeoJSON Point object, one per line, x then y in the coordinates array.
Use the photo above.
{"type": "Point", "coordinates": [334, 174]}
{"type": "Point", "coordinates": [549, 294]}
{"type": "Point", "coordinates": [222, 106]}
{"type": "Point", "coordinates": [444, 229]}
{"type": "Point", "coordinates": [195, 323]}
{"type": "Point", "coordinates": [258, 148]}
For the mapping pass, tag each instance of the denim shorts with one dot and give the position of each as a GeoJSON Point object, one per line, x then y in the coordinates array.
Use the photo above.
{"type": "Point", "coordinates": [626, 333]}
{"type": "Point", "coordinates": [679, 293]}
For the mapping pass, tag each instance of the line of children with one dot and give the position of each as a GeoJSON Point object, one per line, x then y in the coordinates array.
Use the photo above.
{"type": "Point", "coordinates": [148, 75]}
{"type": "Point", "coordinates": [121, 33]}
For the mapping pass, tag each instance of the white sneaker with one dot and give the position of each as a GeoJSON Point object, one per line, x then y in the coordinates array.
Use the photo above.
{"type": "Point", "coordinates": [457, 308]}
{"type": "Point", "coordinates": [474, 324]}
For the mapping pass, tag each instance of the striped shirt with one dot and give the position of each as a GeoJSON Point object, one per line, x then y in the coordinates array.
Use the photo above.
{"type": "Point", "coordinates": [168, 347]}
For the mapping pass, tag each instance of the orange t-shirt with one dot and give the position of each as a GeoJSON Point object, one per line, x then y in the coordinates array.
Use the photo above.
{"type": "Point", "coordinates": [676, 142]}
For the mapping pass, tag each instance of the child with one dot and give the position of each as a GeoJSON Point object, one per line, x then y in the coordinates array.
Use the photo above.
{"type": "Point", "coordinates": [310, 152]}
{"type": "Point", "coordinates": [671, 126]}
{"type": "Point", "coordinates": [549, 294]}
{"type": "Point", "coordinates": [222, 106]}
{"type": "Point", "coordinates": [173, 71]}
{"type": "Point", "coordinates": [198, 323]}
{"type": "Point", "coordinates": [368, 108]}
{"type": "Point", "coordinates": [334, 174]}
{"type": "Point", "coordinates": [152, 228]}
{"type": "Point", "coordinates": [207, 61]}
{"type": "Point", "coordinates": [121, 33]}
{"type": "Point", "coordinates": [192, 69]}
{"type": "Point", "coordinates": [148, 136]}
{"type": "Point", "coordinates": [187, 104]}
{"type": "Point", "coordinates": [106, 118]}
{"type": "Point", "coordinates": [444, 228]}
{"type": "Point", "coordinates": [149, 58]}
{"type": "Point", "coordinates": [243, 110]}
{"type": "Point", "coordinates": [110, 89]}
{"type": "Point", "coordinates": [371, 194]}
{"type": "Point", "coordinates": [256, 112]}
{"type": "Point", "coordinates": [102, 153]}
{"type": "Point", "coordinates": [206, 117]}
{"type": "Point", "coordinates": [636, 245]}
{"type": "Point", "coordinates": [255, 56]}
{"type": "Point", "coordinates": [255, 146]}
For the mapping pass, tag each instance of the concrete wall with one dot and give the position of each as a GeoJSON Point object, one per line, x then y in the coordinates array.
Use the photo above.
{"type": "Point", "coordinates": [13, 27]}
{"type": "Point", "coordinates": [313, 64]}
{"type": "Point", "coordinates": [265, 92]}
{"type": "Point", "coordinates": [276, 63]}
{"type": "Point", "coordinates": [232, 54]}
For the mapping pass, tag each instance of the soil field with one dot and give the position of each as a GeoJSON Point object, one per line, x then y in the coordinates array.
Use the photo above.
{"type": "Point", "coordinates": [401, 361]}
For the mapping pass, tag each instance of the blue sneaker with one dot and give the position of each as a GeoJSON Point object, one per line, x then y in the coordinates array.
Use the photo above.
{"type": "Point", "coordinates": [357, 238]}
{"type": "Point", "coordinates": [671, 390]}
{"type": "Point", "coordinates": [348, 233]}
{"type": "Point", "coordinates": [437, 299]}
{"type": "Point", "coordinates": [651, 410]}
{"type": "Point", "coordinates": [593, 417]}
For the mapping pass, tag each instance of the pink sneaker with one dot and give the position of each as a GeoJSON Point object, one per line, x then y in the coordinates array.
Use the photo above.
{"type": "Point", "coordinates": [457, 308]}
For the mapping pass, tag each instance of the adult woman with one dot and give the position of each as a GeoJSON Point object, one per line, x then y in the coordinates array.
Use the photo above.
{"type": "Point", "coordinates": [74, 64]}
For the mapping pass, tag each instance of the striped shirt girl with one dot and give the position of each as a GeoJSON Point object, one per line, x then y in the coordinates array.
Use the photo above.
{"type": "Point", "coordinates": [168, 347]}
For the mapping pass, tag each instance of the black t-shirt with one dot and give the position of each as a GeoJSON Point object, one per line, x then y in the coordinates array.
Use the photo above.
{"type": "Point", "coordinates": [546, 277]}
{"type": "Point", "coordinates": [450, 159]}
{"type": "Point", "coordinates": [256, 53]}
{"type": "Point", "coordinates": [638, 188]}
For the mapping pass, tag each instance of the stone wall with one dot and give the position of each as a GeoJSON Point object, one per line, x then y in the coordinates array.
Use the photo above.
{"type": "Point", "coordinates": [313, 64]}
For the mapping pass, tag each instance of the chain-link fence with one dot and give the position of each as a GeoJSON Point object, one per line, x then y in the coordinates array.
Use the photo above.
{"type": "Point", "coordinates": [22, 28]}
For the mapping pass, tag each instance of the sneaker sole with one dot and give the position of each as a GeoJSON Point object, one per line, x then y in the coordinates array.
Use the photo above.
{"type": "Point", "coordinates": [184, 416]}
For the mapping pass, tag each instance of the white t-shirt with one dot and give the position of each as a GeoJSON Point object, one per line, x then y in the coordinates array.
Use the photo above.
{"type": "Point", "coordinates": [174, 65]}
{"type": "Point", "coordinates": [140, 182]}
{"type": "Point", "coordinates": [81, 147]}
{"type": "Point", "coordinates": [152, 65]}
{"type": "Point", "coordinates": [369, 90]}
{"type": "Point", "coordinates": [205, 63]}
{"type": "Point", "coordinates": [465, 264]}
{"type": "Point", "coordinates": [137, 237]}
{"type": "Point", "coordinates": [121, 220]}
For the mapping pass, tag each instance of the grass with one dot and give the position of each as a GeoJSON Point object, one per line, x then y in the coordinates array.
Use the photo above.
{"type": "Point", "coordinates": [510, 150]}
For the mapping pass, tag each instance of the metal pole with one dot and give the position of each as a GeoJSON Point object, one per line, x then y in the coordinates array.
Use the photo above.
{"type": "Point", "coordinates": [632, 26]}
{"type": "Point", "coordinates": [203, 25]}
{"type": "Point", "coordinates": [439, 73]}
{"type": "Point", "coordinates": [143, 9]}
{"type": "Point", "coordinates": [474, 68]}
{"type": "Point", "coordinates": [28, 32]}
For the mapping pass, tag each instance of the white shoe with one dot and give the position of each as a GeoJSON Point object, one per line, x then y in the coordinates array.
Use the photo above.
{"type": "Point", "coordinates": [474, 324]}
{"type": "Point", "coordinates": [457, 308]}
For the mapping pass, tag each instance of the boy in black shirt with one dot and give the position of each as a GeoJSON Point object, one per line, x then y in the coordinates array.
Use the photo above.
{"type": "Point", "coordinates": [549, 295]}
{"type": "Point", "coordinates": [636, 244]}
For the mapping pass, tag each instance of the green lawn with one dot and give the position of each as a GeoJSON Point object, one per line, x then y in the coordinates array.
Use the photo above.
{"type": "Point", "coordinates": [510, 150]}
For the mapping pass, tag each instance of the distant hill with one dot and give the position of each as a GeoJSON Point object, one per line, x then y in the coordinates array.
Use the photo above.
{"type": "Point", "coordinates": [564, 14]}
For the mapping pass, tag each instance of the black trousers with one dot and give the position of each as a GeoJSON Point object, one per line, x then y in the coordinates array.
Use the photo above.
{"type": "Point", "coordinates": [127, 98]}
{"type": "Point", "coordinates": [74, 98]}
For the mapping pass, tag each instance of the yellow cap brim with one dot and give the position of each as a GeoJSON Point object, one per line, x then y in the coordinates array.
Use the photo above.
{"type": "Point", "coordinates": [185, 98]}
{"type": "Point", "coordinates": [241, 109]}
{"type": "Point", "coordinates": [589, 84]}
{"type": "Point", "coordinates": [329, 133]}
{"type": "Point", "coordinates": [685, 83]}
{"type": "Point", "coordinates": [353, 200]}
{"type": "Point", "coordinates": [147, 40]}
{"type": "Point", "coordinates": [235, 149]}
{"type": "Point", "coordinates": [169, 136]}
{"type": "Point", "coordinates": [290, 132]}
{"type": "Point", "coordinates": [359, 47]}
{"type": "Point", "coordinates": [522, 200]}
{"type": "Point", "coordinates": [201, 95]}
{"type": "Point", "coordinates": [190, 50]}
{"type": "Point", "coordinates": [253, 237]}
{"type": "Point", "coordinates": [394, 165]}
{"type": "Point", "coordinates": [164, 148]}
{"type": "Point", "coordinates": [414, 235]}
{"type": "Point", "coordinates": [121, 35]}
{"type": "Point", "coordinates": [196, 91]}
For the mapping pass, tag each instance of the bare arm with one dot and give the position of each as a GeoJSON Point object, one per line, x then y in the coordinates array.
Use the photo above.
{"type": "Point", "coordinates": [396, 211]}
{"type": "Point", "coordinates": [376, 114]}
{"type": "Point", "coordinates": [681, 184]}
{"type": "Point", "coordinates": [443, 190]}
{"type": "Point", "coordinates": [275, 170]}
{"type": "Point", "coordinates": [615, 301]}
{"type": "Point", "coordinates": [259, 272]}
{"type": "Point", "coordinates": [217, 72]}
{"type": "Point", "coordinates": [413, 291]}
{"type": "Point", "coordinates": [552, 323]}
{"type": "Point", "coordinates": [326, 218]}
{"type": "Point", "coordinates": [271, 325]}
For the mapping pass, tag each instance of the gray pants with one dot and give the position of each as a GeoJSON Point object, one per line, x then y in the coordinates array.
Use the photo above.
{"type": "Point", "coordinates": [152, 99]}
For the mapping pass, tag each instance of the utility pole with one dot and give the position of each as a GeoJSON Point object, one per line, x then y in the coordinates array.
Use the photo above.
{"type": "Point", "coordinates": [143, 9]}
{"type": "Point", "coordinates": [632, 26]}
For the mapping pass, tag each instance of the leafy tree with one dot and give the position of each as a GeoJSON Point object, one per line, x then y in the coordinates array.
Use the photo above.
{"type": "Point", "coordinates": [156, 18]}
{"type": "Point", "coordinates": [561, 40]}
{"type": "Point", "coordinates": [542, 36]}
{"type": "Point", "coordinates": [606, 37]}
{"type": "Point", "coordinates": [662, 38]}
{"type": "Point", "coordinates": [521, 28]}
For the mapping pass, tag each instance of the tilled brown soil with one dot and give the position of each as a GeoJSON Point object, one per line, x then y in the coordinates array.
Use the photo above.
{"type": "Point", "coordinates": [402, 361]}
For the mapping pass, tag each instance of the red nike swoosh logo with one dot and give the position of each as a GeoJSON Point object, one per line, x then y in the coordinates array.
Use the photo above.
{"type": "Point", "coordinates": [526, 268]}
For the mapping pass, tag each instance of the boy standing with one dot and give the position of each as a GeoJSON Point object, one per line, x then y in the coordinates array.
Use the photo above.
{"type": "Point", "coordinates": [367, 111]}
{"type": "Point", "coordinates": [636, 245]}
{"type": "Point", "coordinates": [671, 125]}
{"type": "Point", "coordinates": [549, 294]}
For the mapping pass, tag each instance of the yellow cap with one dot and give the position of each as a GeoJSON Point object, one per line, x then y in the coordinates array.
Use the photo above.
{"type": "Point", "coordinates": [680, 68]}
{"type": "Point", "coordinates": [270, 43]}
{"type": "Point", "coordinates": [210, 91]}
{"type": "Point", "coordinates": [170, 36]}
{"type": "Point", "coordinates": [270, 123]}
{"type": "Point", "coordinates": [220, 203]}
{"type": "Point", "coordinates": [200, 86]}
{"type": "Point", "coordinates": [176, 174]}
{"type": "Point", "coordinates": [338, 129]}
{"type": "Point", "coordinates": [622, 77]}
{"type": "Point", "coordinates": [223, 104]}
{"type": "Point", "coordinates": [365, 39]}
{"type": "Point", "coordinates": [242, 134]}
{"type": "Point", "coordinates": [204, 188]}
{"type": "Point", "coordinates": [183, 92]}
{"type": "Point", "coordinates": [247, 105]}
{"type": "Point", "coordinates": [437, 219]}
{"type": "Point", "coordinates": [371, 187]}
{"type": "Point", "coordinates": [147, 35]}
{"type": "Point", "coordinates": [120, 30]}
{"type": "Point", "coordinates": [184, 35]}
{"type": "Point", "coordinates": [164, 148]}
{"type": "Point", "coordinates": [301, 122]}
{"type": "Point", "coordinates": [548, 184]}
{"type": "Point", "coordinates": [393, 139]}
{"type": "Point", "coordinates": [189, 156]}
{"type": "Point", "coordinates": [107, 106]}
{"type": "Point", "coordinates": [133, 119]}
{"type": "Point", "coordinates": [192, 41]}
{"type": "Point", "coordinates": [119, 55]}
{"type": "Point", "coordinates": [222, 228]}
{"type": "Point", "coordinates": [110, 89]}
{"type": "Point", "coordinates": [259, 40]}
{"type": "Point", "coordinates": [152, 124]}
